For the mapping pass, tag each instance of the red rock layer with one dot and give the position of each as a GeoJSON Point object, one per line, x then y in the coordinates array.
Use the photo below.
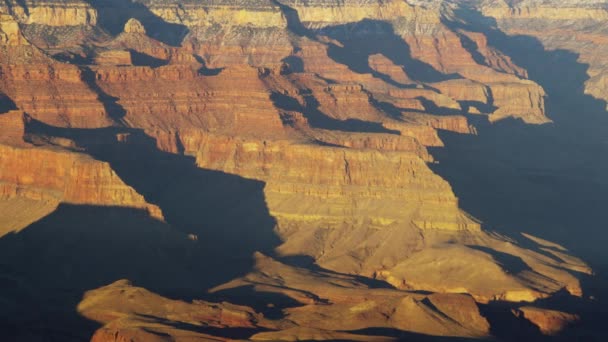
{"type": "Point", "coordinates": [69, 177]}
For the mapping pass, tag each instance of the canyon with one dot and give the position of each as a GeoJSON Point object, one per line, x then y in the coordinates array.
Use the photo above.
{"type": "Point", "coordinates": [179, 170]}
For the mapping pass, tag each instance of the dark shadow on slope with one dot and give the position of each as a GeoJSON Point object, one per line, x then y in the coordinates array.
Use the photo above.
{"type": "Point", "coordinates": [294, 24]}
{"type": "Point", "coordinates": [363, 39]}
{"type": "Point", "coordinates": [142, 59]}
{"type": "Point", "coordinates": [6, 104]}
{"type": "Point", "coordinates": [472, 48]}
{"type": "Point", "coordinates": [546, 180]}
{"type": "Point", "coordinates": [231, 333]}
{"type": "Point", "coordinates": [79, 248]}
{"type": "Point", "coordinates": [510, 263]}
{"type": "Point", "coordinates": [293, 64]}
{"type": "Point", "coordinates": [270, 304]}
{"type": "Point", "coordinates": [112, 15]}
{"type": "Point", "coordinates": [110, 103]}
{"type": "Point", "coordinates": [481, 107]}
{"type": "Point", "coordinates": [408, 336]}
{"type": "Point", "coordinates": [505, 325]}
{"type": "Point", "coordinates": [318, 119]}
{"type": "Point", "coordinates": [431, 107]}
{"type": "Point", "coordinates": [214, 224]}
{"type": "Point", "coordinates": [205, 70]}
{"type": "Point", "coordinates": [370, 37]}
{"type": "Point", "coordinates": [307, 262]}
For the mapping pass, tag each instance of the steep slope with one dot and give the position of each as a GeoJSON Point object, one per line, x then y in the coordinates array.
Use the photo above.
{"type": "Point", "coordinates": [206, 133]}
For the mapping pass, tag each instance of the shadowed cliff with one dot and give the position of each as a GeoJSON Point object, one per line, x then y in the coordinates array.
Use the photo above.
{"type": "Point", "coordinates": [113, 14]}
{"type": "Point", "coordinates": [546, 180]}
{"type": "Point", "coordinates": [363, 39]}
{"type": "Point", "coordinates": [214, 224]}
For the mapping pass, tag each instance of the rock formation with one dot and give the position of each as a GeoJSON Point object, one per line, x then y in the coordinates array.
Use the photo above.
{"type": "Point", "coordinates": [134, 26]}
{"type": "Point", "coordinates": [315, 120]}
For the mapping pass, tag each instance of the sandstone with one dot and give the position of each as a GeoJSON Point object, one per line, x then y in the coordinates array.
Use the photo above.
{"type": "Point", "coordinates": [12, 127]}
{"type": "Point", "coordinates": [22, 208]}
{"type": "Point", "coordinates": [134, 26]}
{"type": "Point", "coordinates": [74, 178]}
{"type": "Point", "coordinates": [331, 107]}
{"type": "Point", "coordinates": [323, 13]}
{"type": "Point", "coordinates": [550, 322]}
{"type": "Point", "coordinates": [10, 34]}
{"type": "Point", "coordinates": [122, 307]}
{"type": "Point", "coordinates": [114, 58]}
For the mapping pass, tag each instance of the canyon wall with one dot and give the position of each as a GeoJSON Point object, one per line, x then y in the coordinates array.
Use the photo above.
{"type": "Point", "coordinates": [328, 108]}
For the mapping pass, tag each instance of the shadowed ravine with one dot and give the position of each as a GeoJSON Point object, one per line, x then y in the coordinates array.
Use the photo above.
{"type": "Point", "coordinates": [113, 14]}
{"type": "Point", "coordinates": [339, 201]}
{"type": "Point", "coordinates": [47, 267]}
{"type": "Point", "coordinates": [546, 180]}
{"type": "Point", "coordinates": [79, 248]}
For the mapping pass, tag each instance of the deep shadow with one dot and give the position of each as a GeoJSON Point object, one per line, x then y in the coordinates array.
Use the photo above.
{"type": "Point", "coordinates": [431, 107]}
{"type": "Point", "coordinates": [307, 262]}
{"type": "Point", "coordinates": [78, 248]}
{"type": "Point", "coordinates": [205, 70]}
{"type": "Point", "coordinates": [270, 304]}
{"type": "Point", "coordinates": [6, 104]}
{"type": "Point", "coordinates": [231, 333]}
{"type": "Point", "coordinates": [73, 58]}
{"type": "Point", "coordinates": [510, 263]}
{"type": "Point", "coordinates": [293, 64]}
{"type": "Point", "coordinates": [318, 119]}
{"type": "Point", "coordinates": [483, 108]}
{"type": "Point", "coordinates": [363, 39]}
{"type": "Point", "coordinates": [507, 326]}
{"type": "Point", "coordinates": [546, 180]}
{"type": "Point", "coordinates": [114, 14]}
{"type": "Point", "coordinates": [408, 336]}
{"type": "Point", "coordinates": [370, 37]}
{"type": "Point", "coordinates": [110, 103]}
{"type": "Point", "coordinates": [142, 59]}
{"type": "Point", "coordinates": [214, 224]}
{"type": "Point", "coordinates": [294, 24]}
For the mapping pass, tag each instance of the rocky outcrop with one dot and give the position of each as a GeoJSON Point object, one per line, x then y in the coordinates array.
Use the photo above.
{"type": "Point", "coordinates": [552, 10]}
{"type": "Point", "coordinates": [10, 34]}
{"type": "Point", "coordinates": [56, 93]}
{"type": "Point", "coordinates": [134, 26]}
{"type": "Point", "coordinates": [550, 322]}
{"type": "Point", "coordinates": [324, 13]}
{"type": "Point", "coordinates": [12, 127]}
{"type": "Point", "coordinates": [328, 108]}
{"type": "Point", "coordinates": [52, 13]}
{"type": "Point", "coordinates": [544, 21]}
{"type": "Point", "coordinates": [121, 306]}
{"type": "Point", "coordinates": [68, 177]}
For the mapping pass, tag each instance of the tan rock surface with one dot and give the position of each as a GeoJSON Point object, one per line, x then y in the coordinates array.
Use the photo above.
{"type": "Point", "coordinates": [550, 322]}
{"type": "Point", "coordinates": [328, 108]}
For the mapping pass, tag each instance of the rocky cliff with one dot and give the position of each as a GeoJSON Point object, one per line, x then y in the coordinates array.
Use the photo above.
{"type": "Point", "coordinates": [212, 132]}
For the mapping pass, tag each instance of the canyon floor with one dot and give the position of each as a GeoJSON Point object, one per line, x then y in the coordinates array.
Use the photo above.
{"type": "Point", "coordinates": [323, 170]}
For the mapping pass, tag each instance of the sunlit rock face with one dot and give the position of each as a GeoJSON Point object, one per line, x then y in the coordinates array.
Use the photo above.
{"type": "Point", "coordinates": [267, 165]}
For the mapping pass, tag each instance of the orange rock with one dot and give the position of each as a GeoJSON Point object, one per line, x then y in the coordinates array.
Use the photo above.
{"type": "Point", "coordinates": [550, 322]}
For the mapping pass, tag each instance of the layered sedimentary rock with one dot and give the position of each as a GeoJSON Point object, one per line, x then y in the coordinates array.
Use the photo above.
{"type": "Point", "coordinates": [320, 113]}
{"type": "Point", "coordinates": [51, 13]}
{"type": "Point", "coordinates": [46, 89]}
{"type": "Point", "coordinates": [584, 35]}
{"type": "Point", "coordinates": [550, 322]}
{"type": "Point", "coordinates": [69, 177]}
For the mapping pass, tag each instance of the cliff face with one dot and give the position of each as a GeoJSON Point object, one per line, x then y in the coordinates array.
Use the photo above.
{"type": "Point", "coordinates": [46, 89]}
{"type": "Point", "coordinates": [584, 34]}
{"type": "Point", "coordinates": [313, 120]}
{"type": "Point", "coordinates": [67, 177]}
